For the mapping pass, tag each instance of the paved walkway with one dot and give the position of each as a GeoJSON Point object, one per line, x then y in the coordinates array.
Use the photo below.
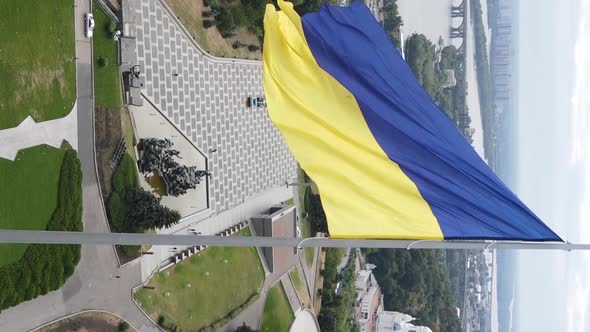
{"type": "Point", "coordinates": [291, 294]}
{"type": "Point", "coordinates": [205, 97]}
{"type": "Point", "coordinates": [30, 133]}
{"type": "Point", "coordinates": [209, 223]}
{"type": "Point", "coordinates": [253, 314]}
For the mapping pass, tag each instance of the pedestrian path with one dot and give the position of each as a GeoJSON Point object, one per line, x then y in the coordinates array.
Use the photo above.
{"type": "Point", "coordinates": [290, 291]}
{"type": "Point", "coordinates": [30, 133]}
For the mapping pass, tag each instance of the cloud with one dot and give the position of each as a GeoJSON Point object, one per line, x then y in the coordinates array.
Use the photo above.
{"type": "Point", "coordinates": [578, 272]}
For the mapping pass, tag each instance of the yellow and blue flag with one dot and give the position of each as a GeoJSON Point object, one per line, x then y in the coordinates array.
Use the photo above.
{"type": "Point", "coordinates": [387, 161]}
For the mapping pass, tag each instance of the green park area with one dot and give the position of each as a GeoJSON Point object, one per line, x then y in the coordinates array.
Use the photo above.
{"type": "Point", "coordinates": [107, 84]}
{"type": "Point", "coordinates": [305, 224]}
{"type": "Point", "coordinates": [28, 193]}
{"type": "Point", "coordinates": [277, 315]}
{"type": "Point", "coordinates": [206, 290]}
{"type": "Point", "coordinates": [300, 288]}
{"type": "Point", "coordinates": [37, 64]}
{"type": "Point", "coordinates": [29, 271]}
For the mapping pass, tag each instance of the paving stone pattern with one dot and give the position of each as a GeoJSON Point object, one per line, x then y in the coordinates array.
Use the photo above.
{"type": "Point", "coordinates": [207, 102]}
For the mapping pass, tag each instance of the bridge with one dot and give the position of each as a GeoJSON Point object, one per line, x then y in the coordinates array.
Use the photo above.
{"type": "Point", "coordinates": [461, 31]}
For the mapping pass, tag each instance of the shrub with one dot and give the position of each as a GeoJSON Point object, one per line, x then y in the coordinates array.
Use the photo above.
{"type": "Point", "coordinates": [123, 326]}
{"type": "Point", "coordinates": [208, 23]}
{"type": "Point", "coordinates": [112, 27]}
{"type": "Point", "coordinates": [207, 13]}
{"type": "Point", "coordinates": [253, 48]}
{"type": "Point", "coordinates": [237, 44]}
{"type": "Point", "coordinates": [117, 211]}
{"type": "Point", "coordinates": [103, 62]}
{"type": "Point", "coordinates": [44, 268]}
{"type": "Point", "coordinates": [125, 175]}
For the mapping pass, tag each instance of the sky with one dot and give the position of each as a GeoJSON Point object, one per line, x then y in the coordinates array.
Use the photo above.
{"type": "Point", "coordinates": [553, 162]}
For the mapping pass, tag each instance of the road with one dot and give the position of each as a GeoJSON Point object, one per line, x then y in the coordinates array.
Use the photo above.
{"type": "Point", "coordinates": [94, 284]}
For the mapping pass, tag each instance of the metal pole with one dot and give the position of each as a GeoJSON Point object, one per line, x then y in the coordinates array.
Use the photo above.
{"type": "Point", "coordinates": [19, 236]}
{"type": "Point", "coordinates": [304, 184]}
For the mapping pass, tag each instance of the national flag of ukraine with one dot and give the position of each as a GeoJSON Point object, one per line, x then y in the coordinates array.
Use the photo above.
{"type": "Point", "coordinates": [387, 161]}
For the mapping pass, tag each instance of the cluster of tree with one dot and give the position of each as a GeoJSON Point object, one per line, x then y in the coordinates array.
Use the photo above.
{"type": "Point", "coordinates": [429, 66]}
{"type": "Point", "coordinates": [316, 215]}
{"type": "Point", "coordinates": [484, 81]}
{"type": "Point", "coordinates": [228, 16]}
{"type": "Point", "coordinates": [416, 282]}
{"type": "Point", "coordinates": [392, 21]}
{"type": "Point", "coordinates": [456, 261]}
{"type": "Point", "coordinates": [335, 314]}
{"type": "Point", "coordinates": [44, 268]}
{"type": "Point", "coordinates": [131, 209]}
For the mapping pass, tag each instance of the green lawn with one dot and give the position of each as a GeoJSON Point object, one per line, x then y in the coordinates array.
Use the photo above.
{"type": "Point", "coordinates": [305, 226]}
{"type": "Point", "coordinates": [28, 193]}
{"type": "Point", "coordinates": [300, 288]}
{"type": "Point", "coordinates": [216, 287]}
{"type": "Point", "coordinates": [37, 68]}
{"type": "Point", "coordinates": [107, 84]}
{"type": "Point", "coordinates": [277, 315]}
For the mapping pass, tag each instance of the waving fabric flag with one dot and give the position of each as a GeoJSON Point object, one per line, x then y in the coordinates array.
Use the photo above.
{"type": "Point", "coordinates": [387, 161]}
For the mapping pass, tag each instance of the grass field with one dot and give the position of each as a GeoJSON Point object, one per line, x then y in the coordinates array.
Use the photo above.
{"type": "Point", "coordinates": [277, 315]}
{"type": "Point", "coordinates": [28, 193]}
{"type": "Point", "coordinates": [220, 280]}
{"type": "Point", "coordinates": [107, 84]}
{"type": "Point", "coordinates": [36, 60]}
{"type": "Point", "coordinates": [305, 226]}
{"type": "Point", "coordinates": [300, 288]}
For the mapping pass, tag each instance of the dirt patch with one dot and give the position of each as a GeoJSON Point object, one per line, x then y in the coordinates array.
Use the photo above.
{"type": "Point", "coordinates": [42, 79]}
{"type": "Point", "coordinates": [108, 134]}
{"type": "Point", "coordinates": [189, 12]}
{"type": "Point", "coordinates": [88, 321]}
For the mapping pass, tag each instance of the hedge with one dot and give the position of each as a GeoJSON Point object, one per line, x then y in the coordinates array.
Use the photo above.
{"type": "Point", "coordinates": [44, 268]}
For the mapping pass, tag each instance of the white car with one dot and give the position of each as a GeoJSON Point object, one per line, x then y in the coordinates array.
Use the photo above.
{"type": "Point", "coordinates": [88, 24]}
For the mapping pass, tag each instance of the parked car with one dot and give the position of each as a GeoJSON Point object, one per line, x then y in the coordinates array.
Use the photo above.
{"type": "Point", "coordinates": [88, 24]}
{"type": "Point", "coordinates": [256, 101]}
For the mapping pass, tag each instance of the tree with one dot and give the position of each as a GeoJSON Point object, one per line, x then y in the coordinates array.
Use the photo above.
{"type": "Point", "coordinates": [245, 328]}
{"type": "Point", "coordinates": [146, 212]}
{"type": "Point", "coordinates": [327, 322]}
{"type": "Point", "coordinates": [123, 326]}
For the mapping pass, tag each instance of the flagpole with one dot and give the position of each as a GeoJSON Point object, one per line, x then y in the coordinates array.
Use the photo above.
{"type": "Point", "coordinates": [54, 237]}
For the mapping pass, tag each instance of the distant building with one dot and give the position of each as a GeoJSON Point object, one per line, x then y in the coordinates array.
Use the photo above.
{"type": "Point", "coordinates": [396, 321]}
{"type": "Point", "coordinates": [367, 309]}
{"type": "Point", "coordinates": [277, 221]}
{"type": "Point", "coordinates": [450, 79]}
